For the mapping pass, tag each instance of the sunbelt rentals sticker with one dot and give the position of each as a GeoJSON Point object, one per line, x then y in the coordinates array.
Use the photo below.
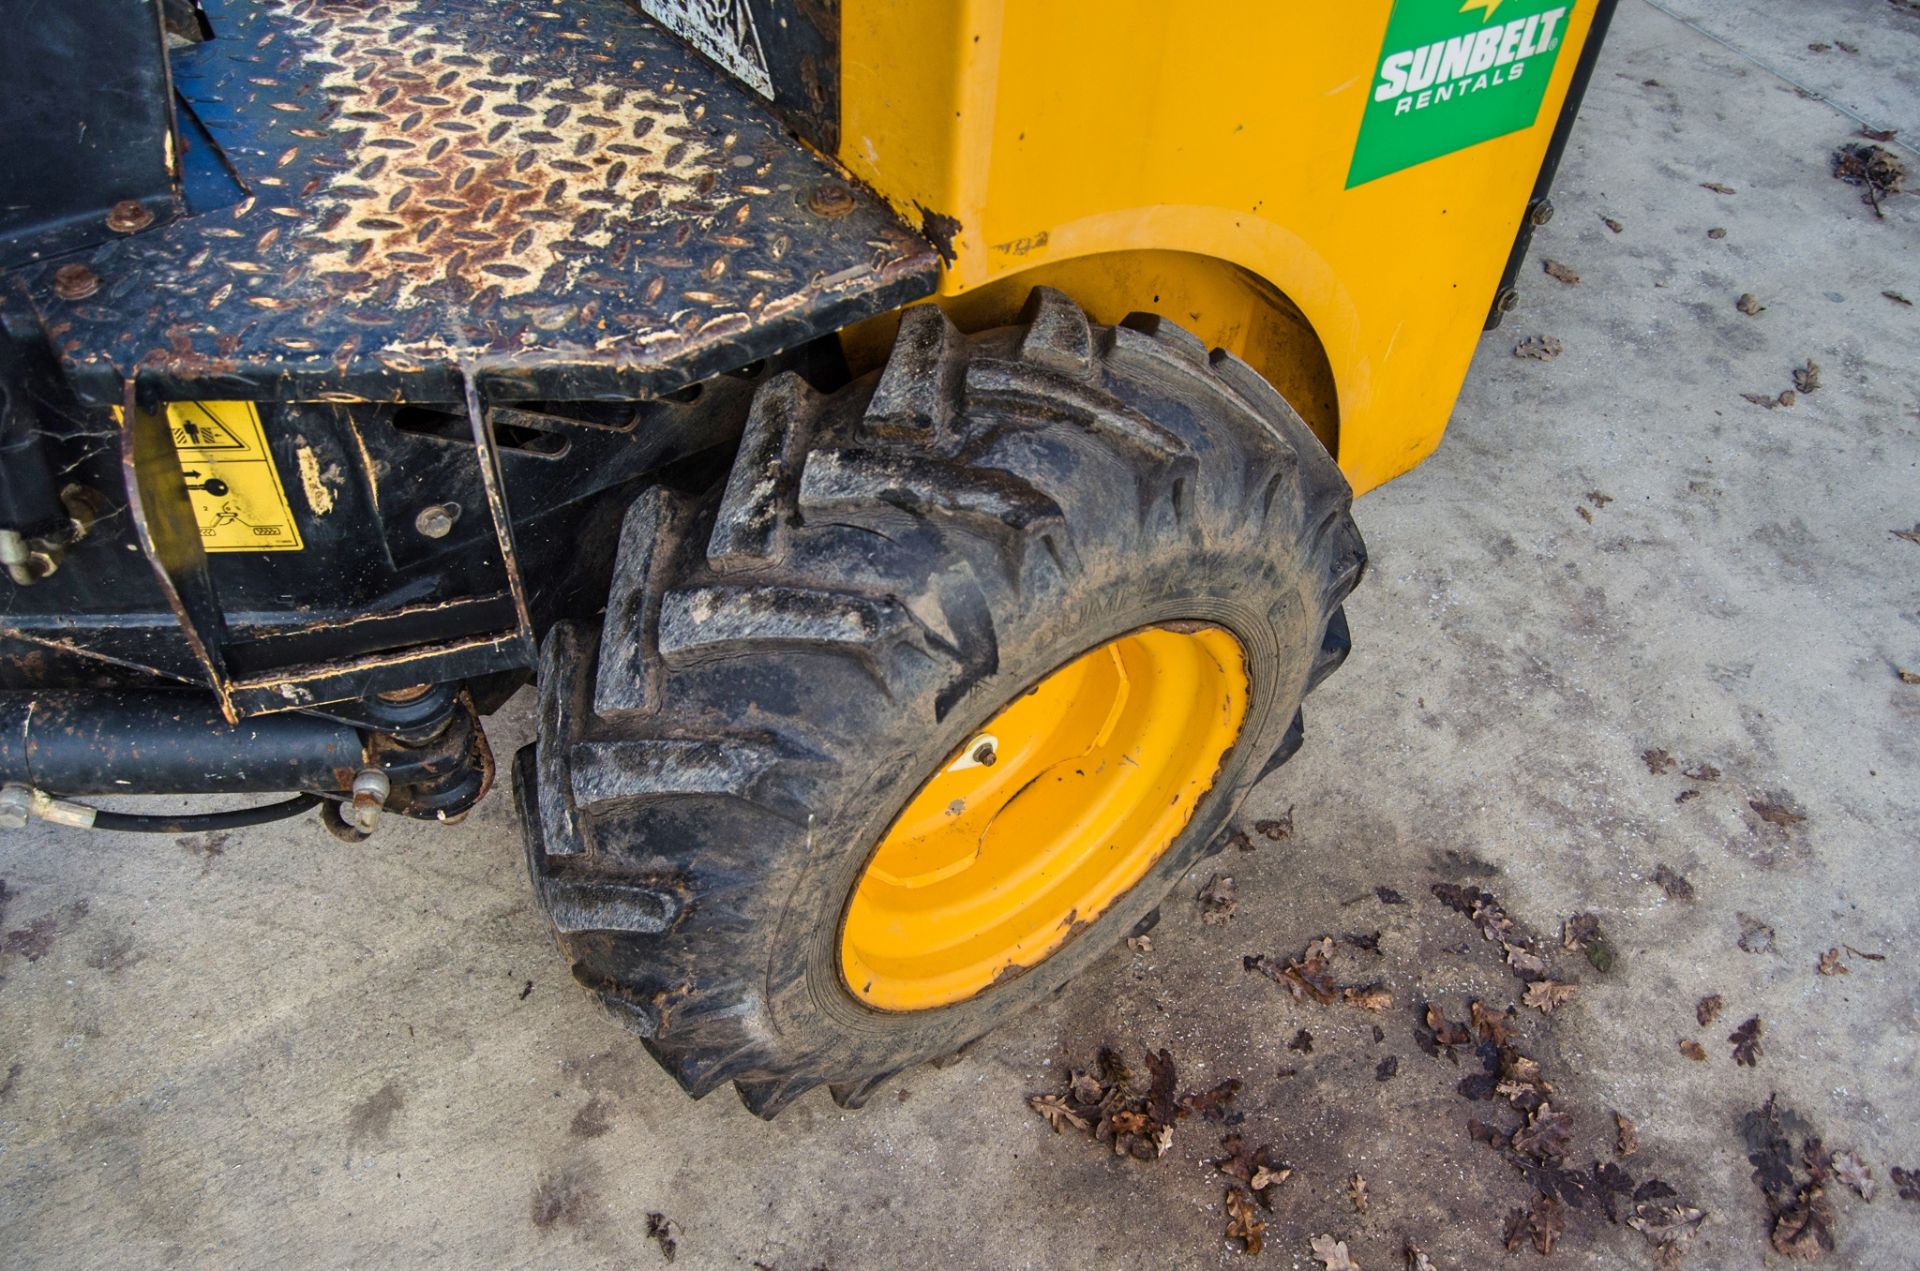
{"type": "Point", "coordinates": [1452, 75]}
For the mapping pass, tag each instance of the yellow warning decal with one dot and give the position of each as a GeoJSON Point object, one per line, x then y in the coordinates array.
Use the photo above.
{"type": "Point", "coordinates": [237, 497]}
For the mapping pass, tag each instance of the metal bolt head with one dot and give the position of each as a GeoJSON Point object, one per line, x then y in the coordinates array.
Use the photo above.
{"type": "Point", "coordinates": [370, 791]}
{"type": "Point", "coordinates": [129, 216]}
{"type": "Point", "coordinates": [984, 756]}
{"type": "Point", "coordinates": [830, 199]}
{"type": "Point", "coordinates": [75, 282]}
{"type": "Point", "coordinates": [1506, 300]}
{"type": "Point", "coordinates": [1541, 211]}
{"type": "Point", "coordinates": [437, 521]}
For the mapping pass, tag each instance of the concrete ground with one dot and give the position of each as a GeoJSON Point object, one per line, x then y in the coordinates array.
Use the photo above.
{"type": "Point", "coordinates": [266, 1048]}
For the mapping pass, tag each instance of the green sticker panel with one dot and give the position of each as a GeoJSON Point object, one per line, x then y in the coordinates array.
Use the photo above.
{"type": "Point", "coordinates": [1452, 75]}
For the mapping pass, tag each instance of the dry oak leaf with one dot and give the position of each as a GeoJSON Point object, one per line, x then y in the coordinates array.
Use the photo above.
{"type": "Point", "coordinates": [1830, 964]}
{"type": "Point", "coordinates": [1773, 812]}
{"type": "Point", "coordinates": [1333, 1253]}
{"type": "Point", "coordinates": [1244, 1222]}
{"type": "Point", "coordinates": [1357, 1192]}
{"type": "Point", "coordinates": [1545, 1135]}
{"type": "Point", "coordinates": [1746, 1043]}
{"type": "Point", "coordinates": [1657, 761]}
{"type": "Point", "coordinates": [1906, 1182]}
{"type": "Point", "coordinates": [1373, 997]}
{"type": "Point", "coordinates": [1853, 1171]}
{"type": "Point", "coordinates": [1629, 1141]}
{"type": "Point", "coordinates": [1548, 994]}
{"type": "Point", "coordinates": [1912, 535]}
{"type": "Point", "coordinates": [1693, 1050]}
{"type": "Point", "coordinates": [1564, 273]}
{"type": "Point", "coordinates": [1140, 944]}
{"type": "Point", "coordinates": [1279, 829]}
{"type": "Point", "coordinates": [1672, 882]}
{"type": "Point", "coordinates": [1546, 1221]}
{"type": "Point", "coordinates": [1540, 348]}
{"type": "Point", "coordinates": [1616, 227]}
{"type": "Point", "coordinates": [1716, 187]}
{"type": "Point", "coordinates": [1706, 1009]}
{"type": "Point", "coordinates": [1056, 1111]}
{"type": "Point", "coordinates": [1217, 901]}
{"type": "Point", "coordinates": [1749, 304]}
{"type": "Point", "coordinates": [1807, 378]}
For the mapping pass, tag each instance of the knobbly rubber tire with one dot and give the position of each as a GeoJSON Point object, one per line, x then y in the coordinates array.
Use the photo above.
{"type": "Point", "coordinates": [787, 658]}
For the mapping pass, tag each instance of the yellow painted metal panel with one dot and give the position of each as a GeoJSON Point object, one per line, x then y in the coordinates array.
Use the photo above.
{"type": "Point", "coordinates": [1030, 133]}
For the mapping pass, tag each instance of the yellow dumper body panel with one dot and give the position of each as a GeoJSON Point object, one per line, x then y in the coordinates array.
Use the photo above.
{"type": "Point", "coordinates": [1371, 159]}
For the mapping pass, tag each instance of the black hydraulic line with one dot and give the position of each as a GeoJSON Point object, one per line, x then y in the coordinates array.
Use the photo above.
{"type": "Point", "coordinates": [201, 822]}
{"type": "Point", "coordinates": [168, 743]}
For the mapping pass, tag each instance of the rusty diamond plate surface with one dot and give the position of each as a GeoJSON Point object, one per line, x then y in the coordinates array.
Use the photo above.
{"type": "Point", "coordinates": [559, 199]}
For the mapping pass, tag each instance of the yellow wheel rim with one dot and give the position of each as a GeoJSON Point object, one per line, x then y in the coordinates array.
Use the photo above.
{"type": "Point", "coordinates": [1045, 817]}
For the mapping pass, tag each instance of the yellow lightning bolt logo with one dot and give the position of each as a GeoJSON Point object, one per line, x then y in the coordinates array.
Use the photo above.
{"type": "Point", "coordinates": [1486, 7]}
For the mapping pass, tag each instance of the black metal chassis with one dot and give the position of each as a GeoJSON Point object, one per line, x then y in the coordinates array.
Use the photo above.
{"type": "Point", "coordinates": [482, 260]}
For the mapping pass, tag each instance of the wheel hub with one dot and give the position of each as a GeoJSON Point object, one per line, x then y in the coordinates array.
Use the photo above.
{"type": "Point", "coordinates": [1044, 818]}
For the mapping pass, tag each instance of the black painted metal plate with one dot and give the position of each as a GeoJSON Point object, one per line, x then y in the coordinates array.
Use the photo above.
{"type": "Point", "coordinates": [557, 198]}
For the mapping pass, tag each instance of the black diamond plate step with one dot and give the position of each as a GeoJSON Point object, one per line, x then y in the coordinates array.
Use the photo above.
{"type": "Point", "coordinates": [558, 197]}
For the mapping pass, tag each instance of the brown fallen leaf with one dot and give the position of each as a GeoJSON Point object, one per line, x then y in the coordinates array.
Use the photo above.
{"type": "Point", "coordinates": [1489, 1026]}
{"type": "Point", "coordinates": [1244, 1222]}
{"type": "Point", "coordinates": [1657, 761]}
{"type": "Point", "coordinates": [1357, 1192]}
{"type": "Point", "coordinates": [1386, 1068]}
{"type": "Point", "coordinates": [1554, 269]}
{"type": "Point", "coordinates": [1693, 1050]}
{"type": "Point", "coordinates": [1851, 1170]}
{"type": "Point", "coordinates": [1749, 304]}
{"type": "Point", "coordinates": [1546, 1222]}
{"type": "Point", "coordinates": [1705, 772]}
{"type": "Point", "coordinates": [1546, 995]}
{"type": "Point", "coordinates": [1372, 997]}
{"type": "Point", "coordinates": [1912, 535]}
{"type": "Point", "coordinates": [1906, 1182]}
{"type": "Point", "coordinates": [1716, 187]}
{"type": "Point", "coordinates": [1598, 499]}
{"type": "Point", "coordinates": [1211, 1103]}
{"type": "Point", "coordinates": [1897, 298]}
{"type": "Point", "coordinates": [1418, 1261]}
{"type": "Point", "coordinates": [1584, 515]}
{"type": "Point", "coordinates": [1875, 169]}
{"type": "Point", "coordinates": [1774, 811]}
{"type": "Point", "coordinates": [1546, 1134]}
{"type": "Point", "coordinates": [1746, 1043]}
{"type": "Point", "coordinates": [1673, 883]}
{"type": "Point", "coordinates": [1804, 1230]}
{"type": "Point", "coordinates": [1265, 1176]}
{"type": "Point", "coordinates": [1333, 1253]}
{"type": "Point", "coordinates": [1807, 378]}
{"type": "Point", "coordinates": [1055, 1110]}
{"type": "Point", "coordinates": [1140, 944]}
{"type": "Point", "coordinates": [1302, 1042]}
{"type": "Point", "coordinates": [1830, 963]}
{"type": "Point", "coordinates": [1906, 676]}
{"type": "Point", "coordinates": [1611, 224]}
{"type": "Point", "coordinates": [1755, 935]}
{"type": "Point", "coordinates": [1217, 901]}
{"type": "Point", "coordinates": [1706, 1009]}
{"type": "Point", "coordinates": [1716, 232]}
{"type": "Point", "coordinates": [1279, 829]}
{"type": "Point", "coordinates": [1513, 1232]}
{"type": "Point", "coordinates": [1540, 348]}
{"type": "Point", "coordinates": [664, 1232]}
{"type": "Point", "coordinates": [1629, 1137]}
{"type": "Point", "coordinates": [1240, 840]}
